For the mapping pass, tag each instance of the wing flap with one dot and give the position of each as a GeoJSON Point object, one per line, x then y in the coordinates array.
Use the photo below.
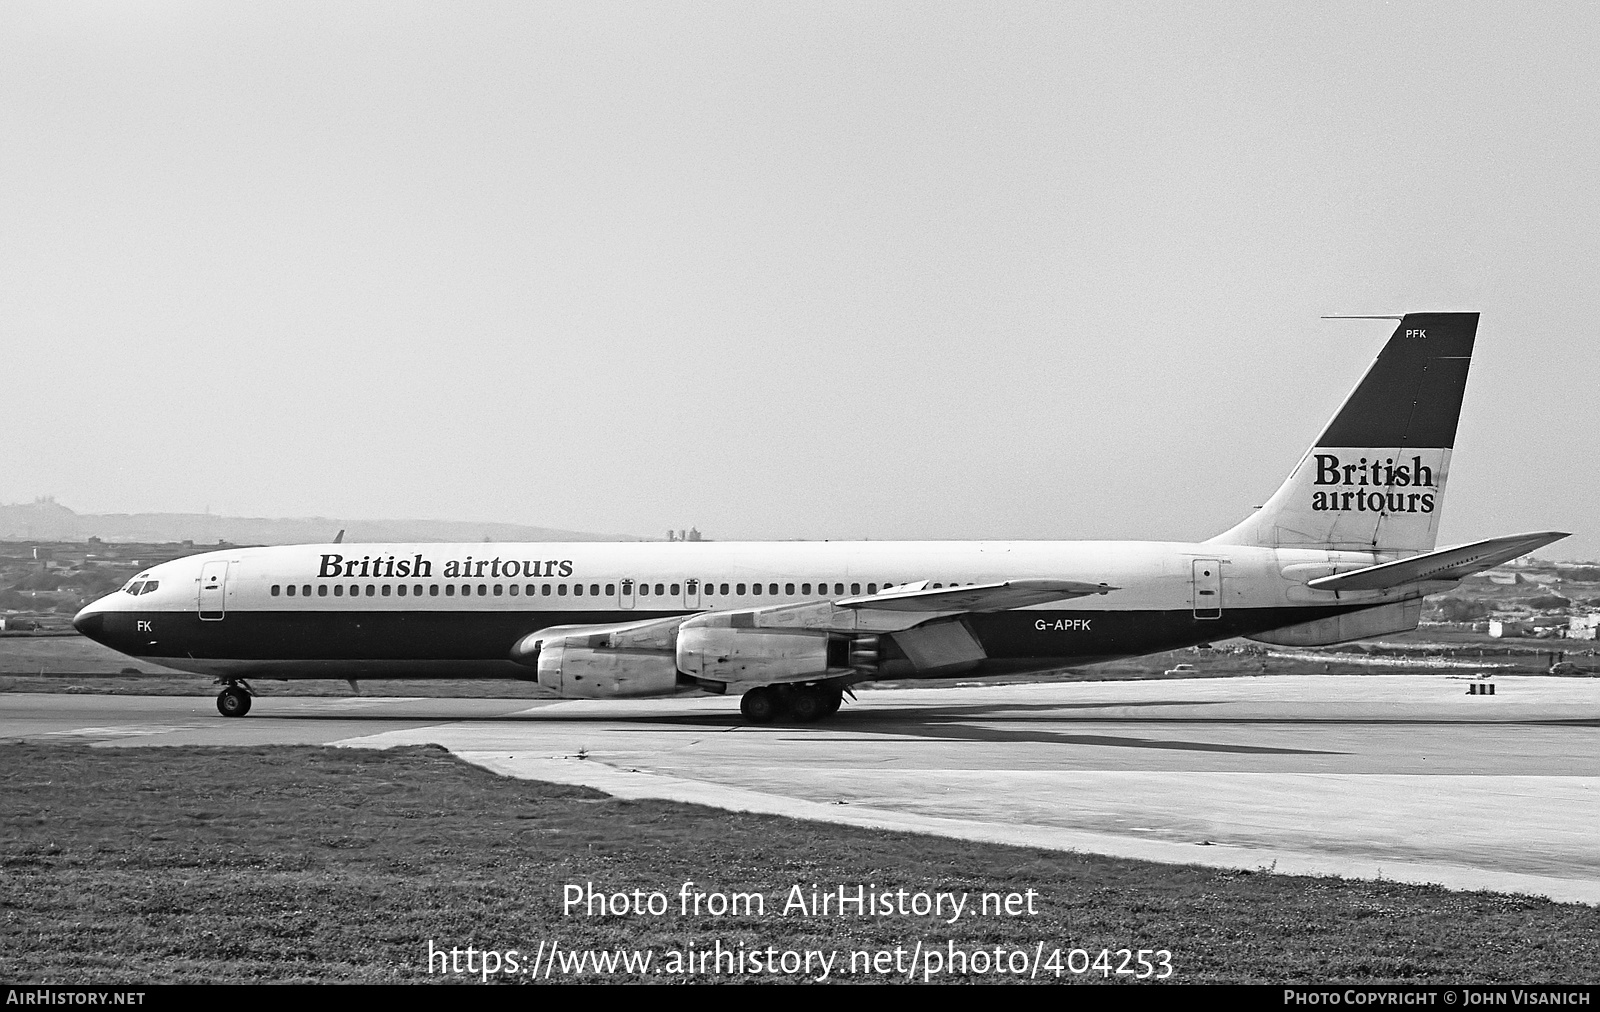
{"type": "Point", "coordinates": [1446, 564]}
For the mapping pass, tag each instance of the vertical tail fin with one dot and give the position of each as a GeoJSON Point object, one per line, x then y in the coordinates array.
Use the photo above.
{"type": "Point", "coordinates": [1375, 479]}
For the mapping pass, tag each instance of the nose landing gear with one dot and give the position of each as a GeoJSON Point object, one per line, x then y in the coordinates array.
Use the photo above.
{"type": "Point", "coordinates": [234, 701]}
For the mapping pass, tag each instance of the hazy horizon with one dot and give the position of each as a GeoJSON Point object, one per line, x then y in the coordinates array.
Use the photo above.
{"type": "Point", "coordinates": [804, 271]}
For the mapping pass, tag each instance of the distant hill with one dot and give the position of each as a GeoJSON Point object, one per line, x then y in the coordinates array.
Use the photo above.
{"type": "Point", "coordinates": [47, 520]}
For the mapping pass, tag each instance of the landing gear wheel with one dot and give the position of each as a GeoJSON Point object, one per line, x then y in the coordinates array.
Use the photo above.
{"type": "Point", "coordinates": [760, 706]}
{"type": "Point", "coordinates": [233, 702]}
{"type": "Point", "coordinates": [808, 703]}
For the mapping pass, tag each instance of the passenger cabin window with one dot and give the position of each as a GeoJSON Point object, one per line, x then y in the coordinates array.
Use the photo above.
{"type": "Point", "coordinates": [872, 588]}
{"type": "Point", "coordinates": [275, 590]}
{"type": "Point", "coordinates": [305, 591]}
{"type": "Point", "coordinates": [805, 588]}
{"type": "Point", "coordinates": [561, 589]}
{"type": "Point", "coordinates": [855, 588]}
{"type": "Point", "coordinates": [741, 589]}
{"type": "Point", "coordinates": [291, 590]}
{"type": "Point", "coordinates": [322, 590]}
{"type": "Point", "coordinates": [498, 588]}
{"type": "Point", "coordinates": [788, 588]}
{"type": "Point", "coordinates": [544, 588]}
{"type": "Point", "coordinates": [513, 590]}
{"type": "Point", "coordinates": [674, 590]}
{"type": "Point", "coordinates": [449, 590]}
{"type": "Point", "coordinates": [401, 590]}
{"type": "Point", "coordinates": [660, 590]}
{"type": "Point", "coordinates": [594, 590]}
{"type": "Point", "coordinates": [433, 590]}
{"type": "Point", "coordinates": [338, 590]}
{"type": "Point", "coordinates": [611, 589]}
{"type": "Point", "coordinates": [724, 589]}
{"type": "Point", "coordinates": [371, 590]}
{"type": "Point", "coordinates": [386, 590]}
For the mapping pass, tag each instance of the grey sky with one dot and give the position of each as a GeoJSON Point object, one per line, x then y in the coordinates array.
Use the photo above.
{"type": "Point", "coordinates": [799, 270]}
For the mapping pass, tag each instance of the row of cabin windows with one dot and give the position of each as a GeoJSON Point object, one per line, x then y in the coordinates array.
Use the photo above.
{"type": "Point", "coordinates": [578, 589]}
{"type": "Point", "coordinates": [416, 590]}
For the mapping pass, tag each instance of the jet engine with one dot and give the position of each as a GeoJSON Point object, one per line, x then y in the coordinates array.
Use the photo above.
{"type": "Point", "coordinates": [584, 672]}
{"type": "Point", "coordinates": [728, 654]}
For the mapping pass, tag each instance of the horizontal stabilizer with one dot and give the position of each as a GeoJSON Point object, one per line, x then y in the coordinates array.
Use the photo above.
{"type": "Point", "coordinates": [975, 597]}
{"type": "Point", "coordinates": [1447, 564]}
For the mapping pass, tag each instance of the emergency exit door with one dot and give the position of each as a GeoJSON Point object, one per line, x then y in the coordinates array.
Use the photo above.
{"type": "Point", "coordinates": [1207, 588]}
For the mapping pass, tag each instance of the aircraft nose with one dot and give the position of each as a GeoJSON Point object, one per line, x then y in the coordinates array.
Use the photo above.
{"type": "Point", "coordinates": [89, 622]}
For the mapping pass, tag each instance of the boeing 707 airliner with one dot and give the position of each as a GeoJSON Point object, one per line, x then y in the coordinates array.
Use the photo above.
{"type": "Point", "coordinates": [1345, 549]}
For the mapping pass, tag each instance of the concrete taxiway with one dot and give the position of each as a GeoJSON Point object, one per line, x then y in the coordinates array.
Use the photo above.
{"type": "Point", "coordinates": [1406, 777]}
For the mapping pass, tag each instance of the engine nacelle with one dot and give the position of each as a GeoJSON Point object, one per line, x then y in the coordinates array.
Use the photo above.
{"type": "Point", "coordinates": [724, 654]}
{"type": "Point", "coordinates": [582, 672]}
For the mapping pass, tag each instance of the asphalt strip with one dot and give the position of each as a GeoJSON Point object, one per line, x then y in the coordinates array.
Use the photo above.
{"type": "Point", "coordinates": [638, 785]}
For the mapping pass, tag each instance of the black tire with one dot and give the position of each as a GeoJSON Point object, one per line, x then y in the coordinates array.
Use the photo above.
{"type": "Point", "coordinates": [233, 702]}
{"type": "Point", "coordinates": [760, 706]}
{"type": "Point", "coordinates": [808, 703]}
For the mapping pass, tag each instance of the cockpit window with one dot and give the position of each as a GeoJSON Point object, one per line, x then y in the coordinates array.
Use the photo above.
{"type": "Point", "coordinates": [148, 588]}
{"type": "Point", "coordinates": [133, 587]}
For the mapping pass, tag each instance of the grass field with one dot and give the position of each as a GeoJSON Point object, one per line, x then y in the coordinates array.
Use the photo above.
{"type": "Point", "coordinates": [148, 865]}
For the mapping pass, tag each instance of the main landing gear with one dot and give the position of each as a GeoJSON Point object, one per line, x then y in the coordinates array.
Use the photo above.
{"type": "Point", "coordinates": [234, 701]}
{"type": "Point", "coordinates": [800, 703]}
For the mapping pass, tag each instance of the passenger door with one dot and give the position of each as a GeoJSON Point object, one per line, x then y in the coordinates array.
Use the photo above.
{"type": "Point", "coordinates": [213, 591]}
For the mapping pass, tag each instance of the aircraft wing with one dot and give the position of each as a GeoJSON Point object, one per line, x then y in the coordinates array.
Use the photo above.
{"type": "Point", "coordinates": [1446, 564]}
{"type": "Point", "coordinates": [646, 634]}
{"type": "Point", "coordinates": [976, 597]}
{"type": "Point", "coordinates": [901, 608]}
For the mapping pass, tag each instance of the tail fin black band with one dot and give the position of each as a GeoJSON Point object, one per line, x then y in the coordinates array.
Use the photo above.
{"type": "Point", "coordinates": [1411, 396]}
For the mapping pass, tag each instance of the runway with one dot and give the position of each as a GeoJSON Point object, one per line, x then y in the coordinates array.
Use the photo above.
{"type": "Point", "coordinates": [1405, 777]}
